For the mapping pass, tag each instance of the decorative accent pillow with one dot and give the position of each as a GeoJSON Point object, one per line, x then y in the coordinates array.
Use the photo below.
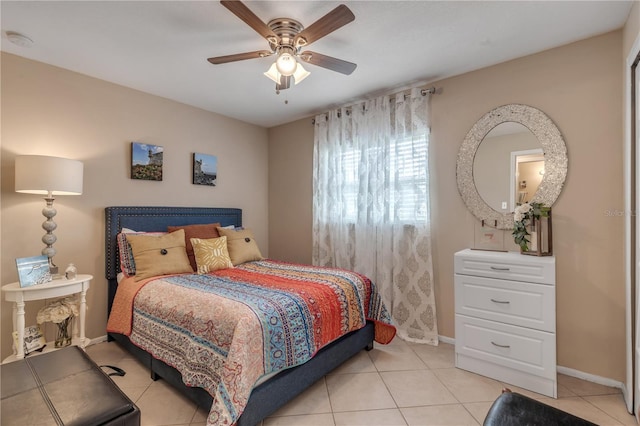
{"type": "Point", "coordinates": [127, 263]}
{"type": "Point", "coordinates": [242, 245]}
{"type": "Point", "coordinates": [211, 254]}
{"type": "Point", "coordinates": [202, 231]}
{"type": "Point", "coordinates": [159, 255]}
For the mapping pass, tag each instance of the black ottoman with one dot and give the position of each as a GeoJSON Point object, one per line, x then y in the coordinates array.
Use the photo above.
{"type": "Point", "coordinates": [63, 387]}
{"type": "Point", "coordinates": [513, 409]}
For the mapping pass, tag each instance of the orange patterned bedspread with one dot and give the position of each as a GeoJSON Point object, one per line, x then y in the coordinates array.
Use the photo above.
{"type": "Point", "coordinates": [224, 331]}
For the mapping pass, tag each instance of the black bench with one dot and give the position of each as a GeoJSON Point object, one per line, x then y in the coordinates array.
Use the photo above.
{"type": "Point", "coordinates": [514, 409]}
{"type": "Point", "coordinates": [63, 387]}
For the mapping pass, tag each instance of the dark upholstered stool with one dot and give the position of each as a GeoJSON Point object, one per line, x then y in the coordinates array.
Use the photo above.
{"type": "Point", "coordinates": [513, 409]}
{"type": "Point", "coordinates": [63, 387]}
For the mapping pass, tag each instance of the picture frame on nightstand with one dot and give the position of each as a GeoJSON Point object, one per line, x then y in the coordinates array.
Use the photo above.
{"type": "Point", "coordinates": [33, 270]}
{"type": "Point", "coordinates": [34, 340]}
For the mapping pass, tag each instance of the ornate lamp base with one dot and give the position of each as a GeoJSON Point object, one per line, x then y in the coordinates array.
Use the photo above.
{"type": "Point", "coordinates": [49, 225]}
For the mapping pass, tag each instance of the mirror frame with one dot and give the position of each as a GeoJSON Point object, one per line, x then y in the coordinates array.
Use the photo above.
{"type": "Point", "coordinates": [553, 147]}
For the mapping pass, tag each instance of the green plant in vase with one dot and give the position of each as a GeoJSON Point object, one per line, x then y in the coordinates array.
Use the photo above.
{"type": "Point", "coordinates": [523, 216]}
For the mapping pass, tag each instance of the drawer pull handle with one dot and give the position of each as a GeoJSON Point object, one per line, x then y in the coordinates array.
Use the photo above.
{"type": "Point", "coordinates": [496, 268]}
{"type": "Point", "coordinates": [500, 346]}
{"type": "Point", "coordinates": [506, 302]}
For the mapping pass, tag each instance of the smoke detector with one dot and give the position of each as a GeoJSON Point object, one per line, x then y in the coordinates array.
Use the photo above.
{"type": "Point", "coordinates": [19, 39]}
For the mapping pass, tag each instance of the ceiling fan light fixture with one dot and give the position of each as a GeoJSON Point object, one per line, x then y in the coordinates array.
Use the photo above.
{"type": "Point", "coordinates": [300, 74]}
{"type": "Point", "coordinates": [273, 73]}
{"type": "Point", "coordinates": [286, 63]}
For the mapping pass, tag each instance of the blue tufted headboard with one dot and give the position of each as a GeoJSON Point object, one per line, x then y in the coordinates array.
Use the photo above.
{"type": "Point", "coordinates": [154, 219]}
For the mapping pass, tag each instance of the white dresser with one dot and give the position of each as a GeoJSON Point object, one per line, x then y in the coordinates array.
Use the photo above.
{"type": "Point", "coordinates": [506, 318]}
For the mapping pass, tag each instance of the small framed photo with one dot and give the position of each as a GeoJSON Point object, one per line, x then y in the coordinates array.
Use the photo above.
{"type": "Point", "coordinates": [205, 169]}
{"type": "Point", "coordinates": [33, 270]}
{"type": "Point", "coordinates": [488, 237]}
{"type": "Point", "coordinates": [146, 161]}
{"type": "Point", "coordinates": [34, 340]}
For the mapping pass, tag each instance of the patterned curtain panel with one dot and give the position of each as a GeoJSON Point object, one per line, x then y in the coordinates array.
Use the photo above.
{"type": "Point", "coordinates": [371, 204]}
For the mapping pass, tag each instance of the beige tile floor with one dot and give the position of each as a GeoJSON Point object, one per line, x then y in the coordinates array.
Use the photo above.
{"type": "Point", "coordinates": [398, 384]}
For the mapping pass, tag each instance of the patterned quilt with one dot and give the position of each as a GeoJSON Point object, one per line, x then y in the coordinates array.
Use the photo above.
{"type": "Point", "coordinates": [225, 330]}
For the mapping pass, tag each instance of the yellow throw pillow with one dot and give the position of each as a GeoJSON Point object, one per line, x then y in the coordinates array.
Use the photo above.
{"type": "Point", "coordinates": [242, 246]}
{"type": "Point", "coordinates": [211, 254]}
{"type": "Point", "coordinates": [162, 255]}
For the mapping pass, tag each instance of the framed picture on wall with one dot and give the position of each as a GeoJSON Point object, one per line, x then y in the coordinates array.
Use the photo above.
{"type": "Point", "coordinates": [205, 169]}
{"type": "Point", "coordinates": [146, 161]}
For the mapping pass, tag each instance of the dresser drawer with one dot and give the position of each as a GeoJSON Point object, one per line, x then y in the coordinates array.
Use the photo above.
{"type": "Point", "coordinates": [523, 349]}
{"type": "Point", "coordinates": [508, 266]}
{"type": "Point", "coordinates": [511, 302]}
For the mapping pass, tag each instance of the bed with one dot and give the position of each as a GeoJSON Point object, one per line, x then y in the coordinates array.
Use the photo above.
{"type": "Point", "coordinates": [276, 389]}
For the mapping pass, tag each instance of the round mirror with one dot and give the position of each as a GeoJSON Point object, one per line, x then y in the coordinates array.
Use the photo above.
{"type": "Point", "coordinates": [513, 154]}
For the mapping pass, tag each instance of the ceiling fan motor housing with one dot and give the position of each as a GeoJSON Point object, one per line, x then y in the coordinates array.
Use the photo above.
{"type": "Point", "coordinates": [286, 29]}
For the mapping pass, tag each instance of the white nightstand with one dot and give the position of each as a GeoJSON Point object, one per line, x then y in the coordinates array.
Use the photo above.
{"type": "Point", "coordinates": [56, 288]}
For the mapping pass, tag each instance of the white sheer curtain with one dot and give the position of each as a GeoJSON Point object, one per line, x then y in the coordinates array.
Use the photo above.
{"type": "Point", "coordinates": [371, 204]}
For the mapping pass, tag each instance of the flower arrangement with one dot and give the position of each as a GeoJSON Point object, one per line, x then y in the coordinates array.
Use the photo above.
{"type": "Point", "coordinates": [60, 312]}
{"type": "Point", "coordinates": [523, 215]}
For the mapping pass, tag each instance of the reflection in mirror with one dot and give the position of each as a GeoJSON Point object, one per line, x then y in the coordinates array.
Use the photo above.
{"type": "Point", "coordinates": [527, 170]}
{"type": "Point", "coordinates": [497, 173]}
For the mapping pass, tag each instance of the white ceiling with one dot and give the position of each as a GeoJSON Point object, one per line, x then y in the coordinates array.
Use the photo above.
{"type": "Point", "coordinates": [160, 47]}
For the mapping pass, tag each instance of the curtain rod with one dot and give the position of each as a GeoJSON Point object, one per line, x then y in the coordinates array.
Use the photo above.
{"type": "Point", "coordinates": [423, 92]}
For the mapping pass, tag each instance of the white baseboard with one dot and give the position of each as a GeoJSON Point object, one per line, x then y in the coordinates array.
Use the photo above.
{"type": "Point", "coordinates": [568, 371]}
{"type": "Point", "coordinates": [445, 339]}
{"type": "Point", "coordinates": [590, 377]}
{"type": "Point", "coordinates": [97, 340]}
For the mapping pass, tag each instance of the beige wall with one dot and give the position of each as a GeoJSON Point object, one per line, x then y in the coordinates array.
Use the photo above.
{"type": "Point", "coordinates": [51, 111]}
{"type": "Point", "coordinates": [580, 87]}
{"type": "Point", "coordinates": [290, 191]}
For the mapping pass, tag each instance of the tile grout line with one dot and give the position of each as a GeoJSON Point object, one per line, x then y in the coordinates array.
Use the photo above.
{"type": "Point", "coordinates": [387, 388]}
{"type": "Point", "coordinates": [599, 409]}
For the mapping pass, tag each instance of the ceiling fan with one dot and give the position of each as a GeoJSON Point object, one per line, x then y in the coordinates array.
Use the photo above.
{"type": "Point", "coordinates": [286, 38]}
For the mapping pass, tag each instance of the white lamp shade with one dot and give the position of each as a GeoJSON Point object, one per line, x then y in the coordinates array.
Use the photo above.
{"type": "Point", "coordinates": [300, 74]}
{"type": "Point", "coordinates": [273, 73]}
{"type": "Point", "coordinates": [39, 174]}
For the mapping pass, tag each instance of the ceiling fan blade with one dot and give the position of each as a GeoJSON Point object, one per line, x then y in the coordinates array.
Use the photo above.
{"type": "Point", "coordinates": [239, 57]}
{"type": "Point", "coordinates": [329, 62]}
{"type": "Point", "coordinates": [285, 82]}
{"type": "Point", "coordinates": [243, 12]}
{"type": "Point", "coordinates": [330, 22]}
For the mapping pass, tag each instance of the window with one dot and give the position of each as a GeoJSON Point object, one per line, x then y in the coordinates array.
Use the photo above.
{"type": "Point", "coordinates": [404, 168]}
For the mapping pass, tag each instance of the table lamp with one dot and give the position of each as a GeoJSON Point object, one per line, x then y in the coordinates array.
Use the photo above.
{"type": "Point", "coordinates": [50, 176]}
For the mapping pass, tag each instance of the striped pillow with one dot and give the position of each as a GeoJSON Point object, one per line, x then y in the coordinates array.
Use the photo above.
{"type": "Point", "coordinates": [127, 264]}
